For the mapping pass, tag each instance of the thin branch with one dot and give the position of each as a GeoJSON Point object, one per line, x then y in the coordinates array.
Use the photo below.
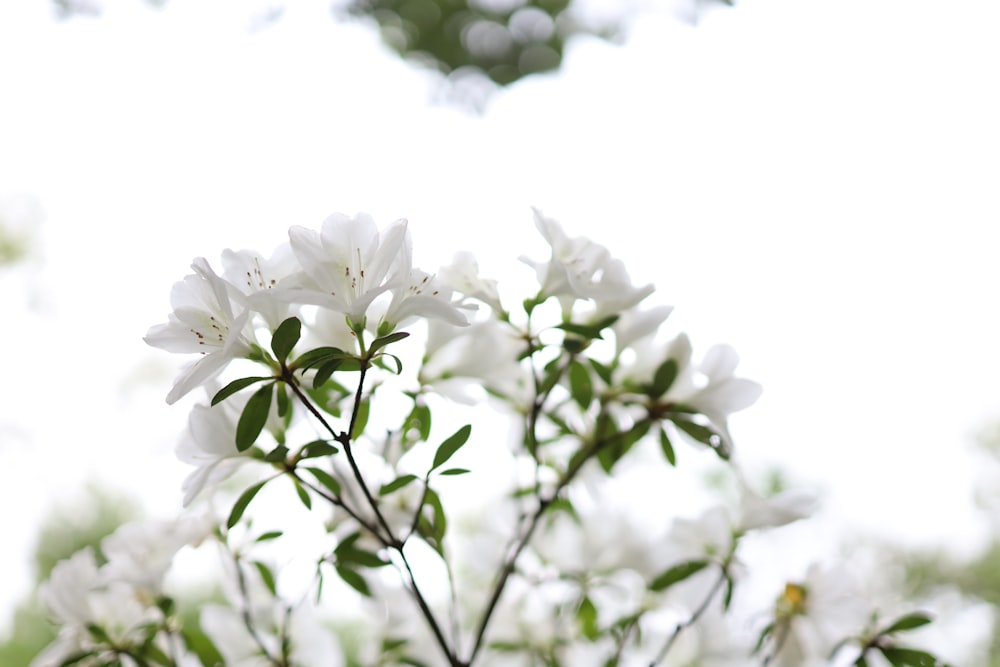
{"type": "Point", "coordinates": [683, 625]}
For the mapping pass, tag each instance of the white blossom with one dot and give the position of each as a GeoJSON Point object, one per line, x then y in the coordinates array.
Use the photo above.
{"type": "Point", "coordinates": [210, 318]}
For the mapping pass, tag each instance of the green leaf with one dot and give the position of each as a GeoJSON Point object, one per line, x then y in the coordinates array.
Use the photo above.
{"type": "Point", "coordinates": [704, 435]}
{"type": "Point", "coordinates": [664, 378]}
{"type": "Point", "coordinates": [325, 371]}
{"type": "Point", "coordinates": [581, 388]}
{"type": "Point", "coordinates": [908, 657]}
{"type": "Point", "coordinates": [303, 494]}
{"type": "Point", "coordinates": [420, 419]}
{"type": "Point", "coordinates": [285, 337]}
{"type": "Point", "coordinates": [316, 449]}
{"type": "Point", "coordinates": [668, 448]}
{"type": "Point", "coordinates": [364, 409]}
{"type": "Point", "coordinates": [234, 387]}
{"type": "Point", "coordinates": [317, 356]}
{"type": "Point", "coordinates": [242, 502]}
{"type": "Point", "coordinates": [603, 372]}
{"type": "Point", "coordinates": [283, 402]}
{"type": "Point", "coordinates": [676, 574]}
{"type": "Point", "coordinates": [76, 658]}
{"type": "Point", "coordinates": [455, 471]}
{"type": "Point", "coordinates": [399, 364]}
{"type": "Point", "coordinates": [379, 343]}
{"type": "Point", "coordinates": [326, 479]}
{"type": "Point", "coordinates": [396, 484]}
{"type": "Point", "coordinates": [588, 331]}
{"type": "Point", "coordinates": [270, 535]}
{"type": "Point", "coordinates": [448, 448]}
{"type": "Point", "coordinates": [348, 554]}
{"type": "Point", "coordinates": [907, 622]}
{"type": "Point", "coordinates": [354, 580]}
{"type": "Point", "coordinates": [276, 455]}
{"type": "Point", "coordinates": [253, 418]}
{"type": "Point", "coordinates": [267, 576]}
{"type": "Point", "coordinates": [551, 377]}
{"type": "Point", "coordinates": [586, 616]}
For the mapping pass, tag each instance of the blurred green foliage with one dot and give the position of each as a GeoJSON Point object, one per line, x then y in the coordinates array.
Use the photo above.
{"type": "Point", "coordinates": [82, 522]}
{"type": "Point", "coordinates": [504, 39]}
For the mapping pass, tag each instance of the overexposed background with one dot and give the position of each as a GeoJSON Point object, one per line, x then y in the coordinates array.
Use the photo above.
{"type": "Point", "coordinates": [814, 182]}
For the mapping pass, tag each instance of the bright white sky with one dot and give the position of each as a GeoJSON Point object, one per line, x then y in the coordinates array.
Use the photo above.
{"type": "Point", "coordinates": [814, 182]}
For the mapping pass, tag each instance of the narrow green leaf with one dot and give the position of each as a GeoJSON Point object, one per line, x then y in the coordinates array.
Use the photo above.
{"type": "Point", "coordinates": [586, 616]}
{"type": "Point", "coordinates": [396, 484]}
{"type": "Point", "coordinates": [664, 378]}
{"type": "Point", "coordinates": [354, 580]}
{"type": "Point", "coordinates": [908, 622]}
{"type": "Point", "coordinates": [242, 502]}
{"type": "Point", "coordinates": [581, 388]}
{"type": "Point", "coordinates": [351, 555]}
{"type": "Point", "coordinates": [285, 337]}
{"type": "Point", "coordinates": [267, 576]}
{"type": "Point", "coordinates": [276, 455]}
{"type": "Point", "coordinates": [325, 371]}
{"type": "Point", "coordinates": [420, 419]}
{"type": "Point", "coordinates": [316, 449]}
{"type": "Point", "coordinates": [448, 448]}
{"type": "Point", "coordinates": [379, 343]}
{"type": "Point", "coordinates": [364, 410]}
{"type": "Point", "coordinates": [676, 574]}
{"type": "Point", "coordinates": [861, 662]}
{"type": "Point", "coordinates": [326, 479]}
{"type": "Point", "coordinates": [603, 372]}
{"type": "Point", "coordinates": [270, 535]}
{"type": "Point", "coordinates": [908, 657]}
{"type": "Point", "coordinates": [704, 435]}
{"type": "Point", "coordinates": [396, 360]}
{"type": "Point", "coordinates": [283, 402]}
{"type": "Point", "coordinates": [254, 417]}
{"type": "Point", "coordinates": [668, 448]}
{"type": "Point", "coordinates": [235, 386]}
{"type": "Point", "coordinates": [303, 494]}
{"type": "Point", "coordinates": [317, 356]}
{"type": "Point", "coordinates": [451, 472]}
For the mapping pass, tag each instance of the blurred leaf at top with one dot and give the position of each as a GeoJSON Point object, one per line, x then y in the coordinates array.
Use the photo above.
{"type": "Point", "coordinates": [504, 39]}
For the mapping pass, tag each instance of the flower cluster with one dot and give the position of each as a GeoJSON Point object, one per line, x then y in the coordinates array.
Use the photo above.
{"type": "Point", "coordinates": [339, 378]}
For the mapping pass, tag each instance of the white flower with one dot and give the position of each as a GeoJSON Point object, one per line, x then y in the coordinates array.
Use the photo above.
{"type": "Point", "coordinates": [420, 295]}
{"type": "Point", "coordinates": [256, 277]}
{"type": "Point", "coordinates": [812, 615]}
{"type": "Point", "coordinates": [139, 553]}
{"type": "Point", "coordinates": [780, 509]}
{"type": "Point", "coordinates": [483, 356]}
{"type": "Point", "coordinates": [581, 269]}
{"type": "Point", "coordinates": [350, 263]}
{"type": "Point", "coordinates": [463, 276]}
{"type": "Point", "coordinates": [210, 445]}
{"type": "Point", "coordinates": [634, 325]}
{"type": "Point", "coordinates": [573, 265]}
{"type": "Point", "coordinates": [210, 317]}
{"type": "Point", "coordinates": [79, 595]}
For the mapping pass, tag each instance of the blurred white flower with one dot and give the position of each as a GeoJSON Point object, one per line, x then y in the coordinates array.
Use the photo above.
{"type": "Point", "coordinates": [461, 363]}
{"type": "Point", "coordinates": [210, 444]}
{"type": "Point", "coordinates": [811, 616]}
{"type": "Point", "coordinates": [463, 277]}
{"type": "Point", "coordinates": [578, 268]}
{"type": "Point", "coordinates": [139, 553]}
